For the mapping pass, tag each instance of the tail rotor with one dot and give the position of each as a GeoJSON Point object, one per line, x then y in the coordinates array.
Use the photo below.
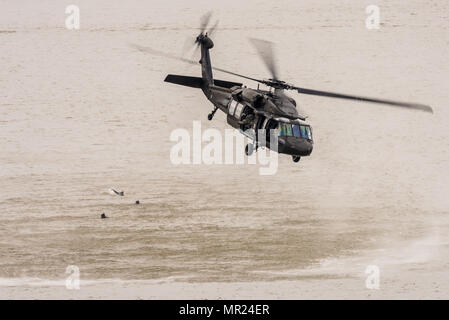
{"type": "Point", "coordinates": [204, 34]}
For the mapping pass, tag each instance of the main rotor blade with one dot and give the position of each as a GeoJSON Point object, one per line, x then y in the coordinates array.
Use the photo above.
{"type": "Point", "coordinates": [212, 30]}
{"type": "Point", "coordinates": [205, 21]}
{"type": "Point", "coordinates": [238, 75]}
{"type": "Point", "coordinates": [161, 54]}
{"type": "Point", "coordinates": [171, 56]}
{"type": "Point", "coordinates": [266, 52]}
{"type": "Point", "coordinates": [415, 106]}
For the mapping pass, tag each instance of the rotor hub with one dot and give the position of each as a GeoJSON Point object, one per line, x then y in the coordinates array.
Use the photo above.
{"type": "Point", "coordinates": [203, 39]}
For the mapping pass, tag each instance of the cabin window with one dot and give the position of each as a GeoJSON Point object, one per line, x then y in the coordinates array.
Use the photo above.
{"type": "Point", "coordinates": [232, 107]}
{"type": "Point", "coordinates": [238, 111]}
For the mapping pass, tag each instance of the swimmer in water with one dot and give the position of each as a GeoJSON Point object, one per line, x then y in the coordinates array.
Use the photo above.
{"type": "Point", "coordinates": [121, 193]}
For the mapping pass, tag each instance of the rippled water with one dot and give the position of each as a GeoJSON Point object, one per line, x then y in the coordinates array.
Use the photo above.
{"type": "Point", "coordinates": [82, 111]}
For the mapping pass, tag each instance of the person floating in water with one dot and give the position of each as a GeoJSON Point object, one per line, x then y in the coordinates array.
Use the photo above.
{"type": "Point", "coordinates": [113, 191]}
{"type": "Point", "coordinates": [103, 216]}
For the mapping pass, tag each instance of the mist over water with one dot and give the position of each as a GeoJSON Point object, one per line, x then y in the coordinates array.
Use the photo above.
{"type": "Point", "coordinates": [82, 111]}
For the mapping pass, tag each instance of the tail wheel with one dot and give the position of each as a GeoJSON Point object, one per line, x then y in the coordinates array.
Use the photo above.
{"type": "Point", "coordinates": [296, 158]}
{"type": "Point", "coordinates": [249, 149]}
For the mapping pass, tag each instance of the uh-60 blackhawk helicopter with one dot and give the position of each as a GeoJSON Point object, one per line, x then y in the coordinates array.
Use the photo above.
{"type": "Point", "coordinates": [250, 110]}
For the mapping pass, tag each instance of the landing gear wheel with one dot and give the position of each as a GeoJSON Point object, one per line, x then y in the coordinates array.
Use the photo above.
{"type": "Point", "coordinates": [249, 149]}
{"type": "Point", "coordinates": [210, 116]}
{"type": "Point", "coordinates": [296, 158]}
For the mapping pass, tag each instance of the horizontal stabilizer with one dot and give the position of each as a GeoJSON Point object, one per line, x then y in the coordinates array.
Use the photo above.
{"type": "Point", "coordinates": [197, 82]}
{"type": "Point", "coordinates": [193, 82]}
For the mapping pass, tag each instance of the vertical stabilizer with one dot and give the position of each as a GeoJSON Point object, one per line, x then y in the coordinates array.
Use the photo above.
{"type": "Point", "coordinates": [206, 66]}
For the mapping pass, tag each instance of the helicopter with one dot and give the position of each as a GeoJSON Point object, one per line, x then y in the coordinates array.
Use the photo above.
{"type": "Point", "coordinates": [256, 110]}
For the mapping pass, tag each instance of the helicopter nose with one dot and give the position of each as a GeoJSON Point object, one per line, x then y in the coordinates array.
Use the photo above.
{"type": "Point", "coordinates": [299, 147]}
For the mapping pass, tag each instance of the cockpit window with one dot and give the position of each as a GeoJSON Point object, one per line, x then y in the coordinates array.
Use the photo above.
{"type": "Point", "coordinates": [309, 133]}
{"type": "Point", "coordinates": [279, 131]}
{"type": "Point", "coordinates": [303, 132]}
{"type": "Point", "coordinates": [285, 130]}
{"type": "Point", "coordinates": [299, 131]}
{"type": "Point", "coordinates": [296, 130]}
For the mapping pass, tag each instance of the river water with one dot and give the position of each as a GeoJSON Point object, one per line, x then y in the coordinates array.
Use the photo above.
{"type": "Point", "coordinates": [82, 111]}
